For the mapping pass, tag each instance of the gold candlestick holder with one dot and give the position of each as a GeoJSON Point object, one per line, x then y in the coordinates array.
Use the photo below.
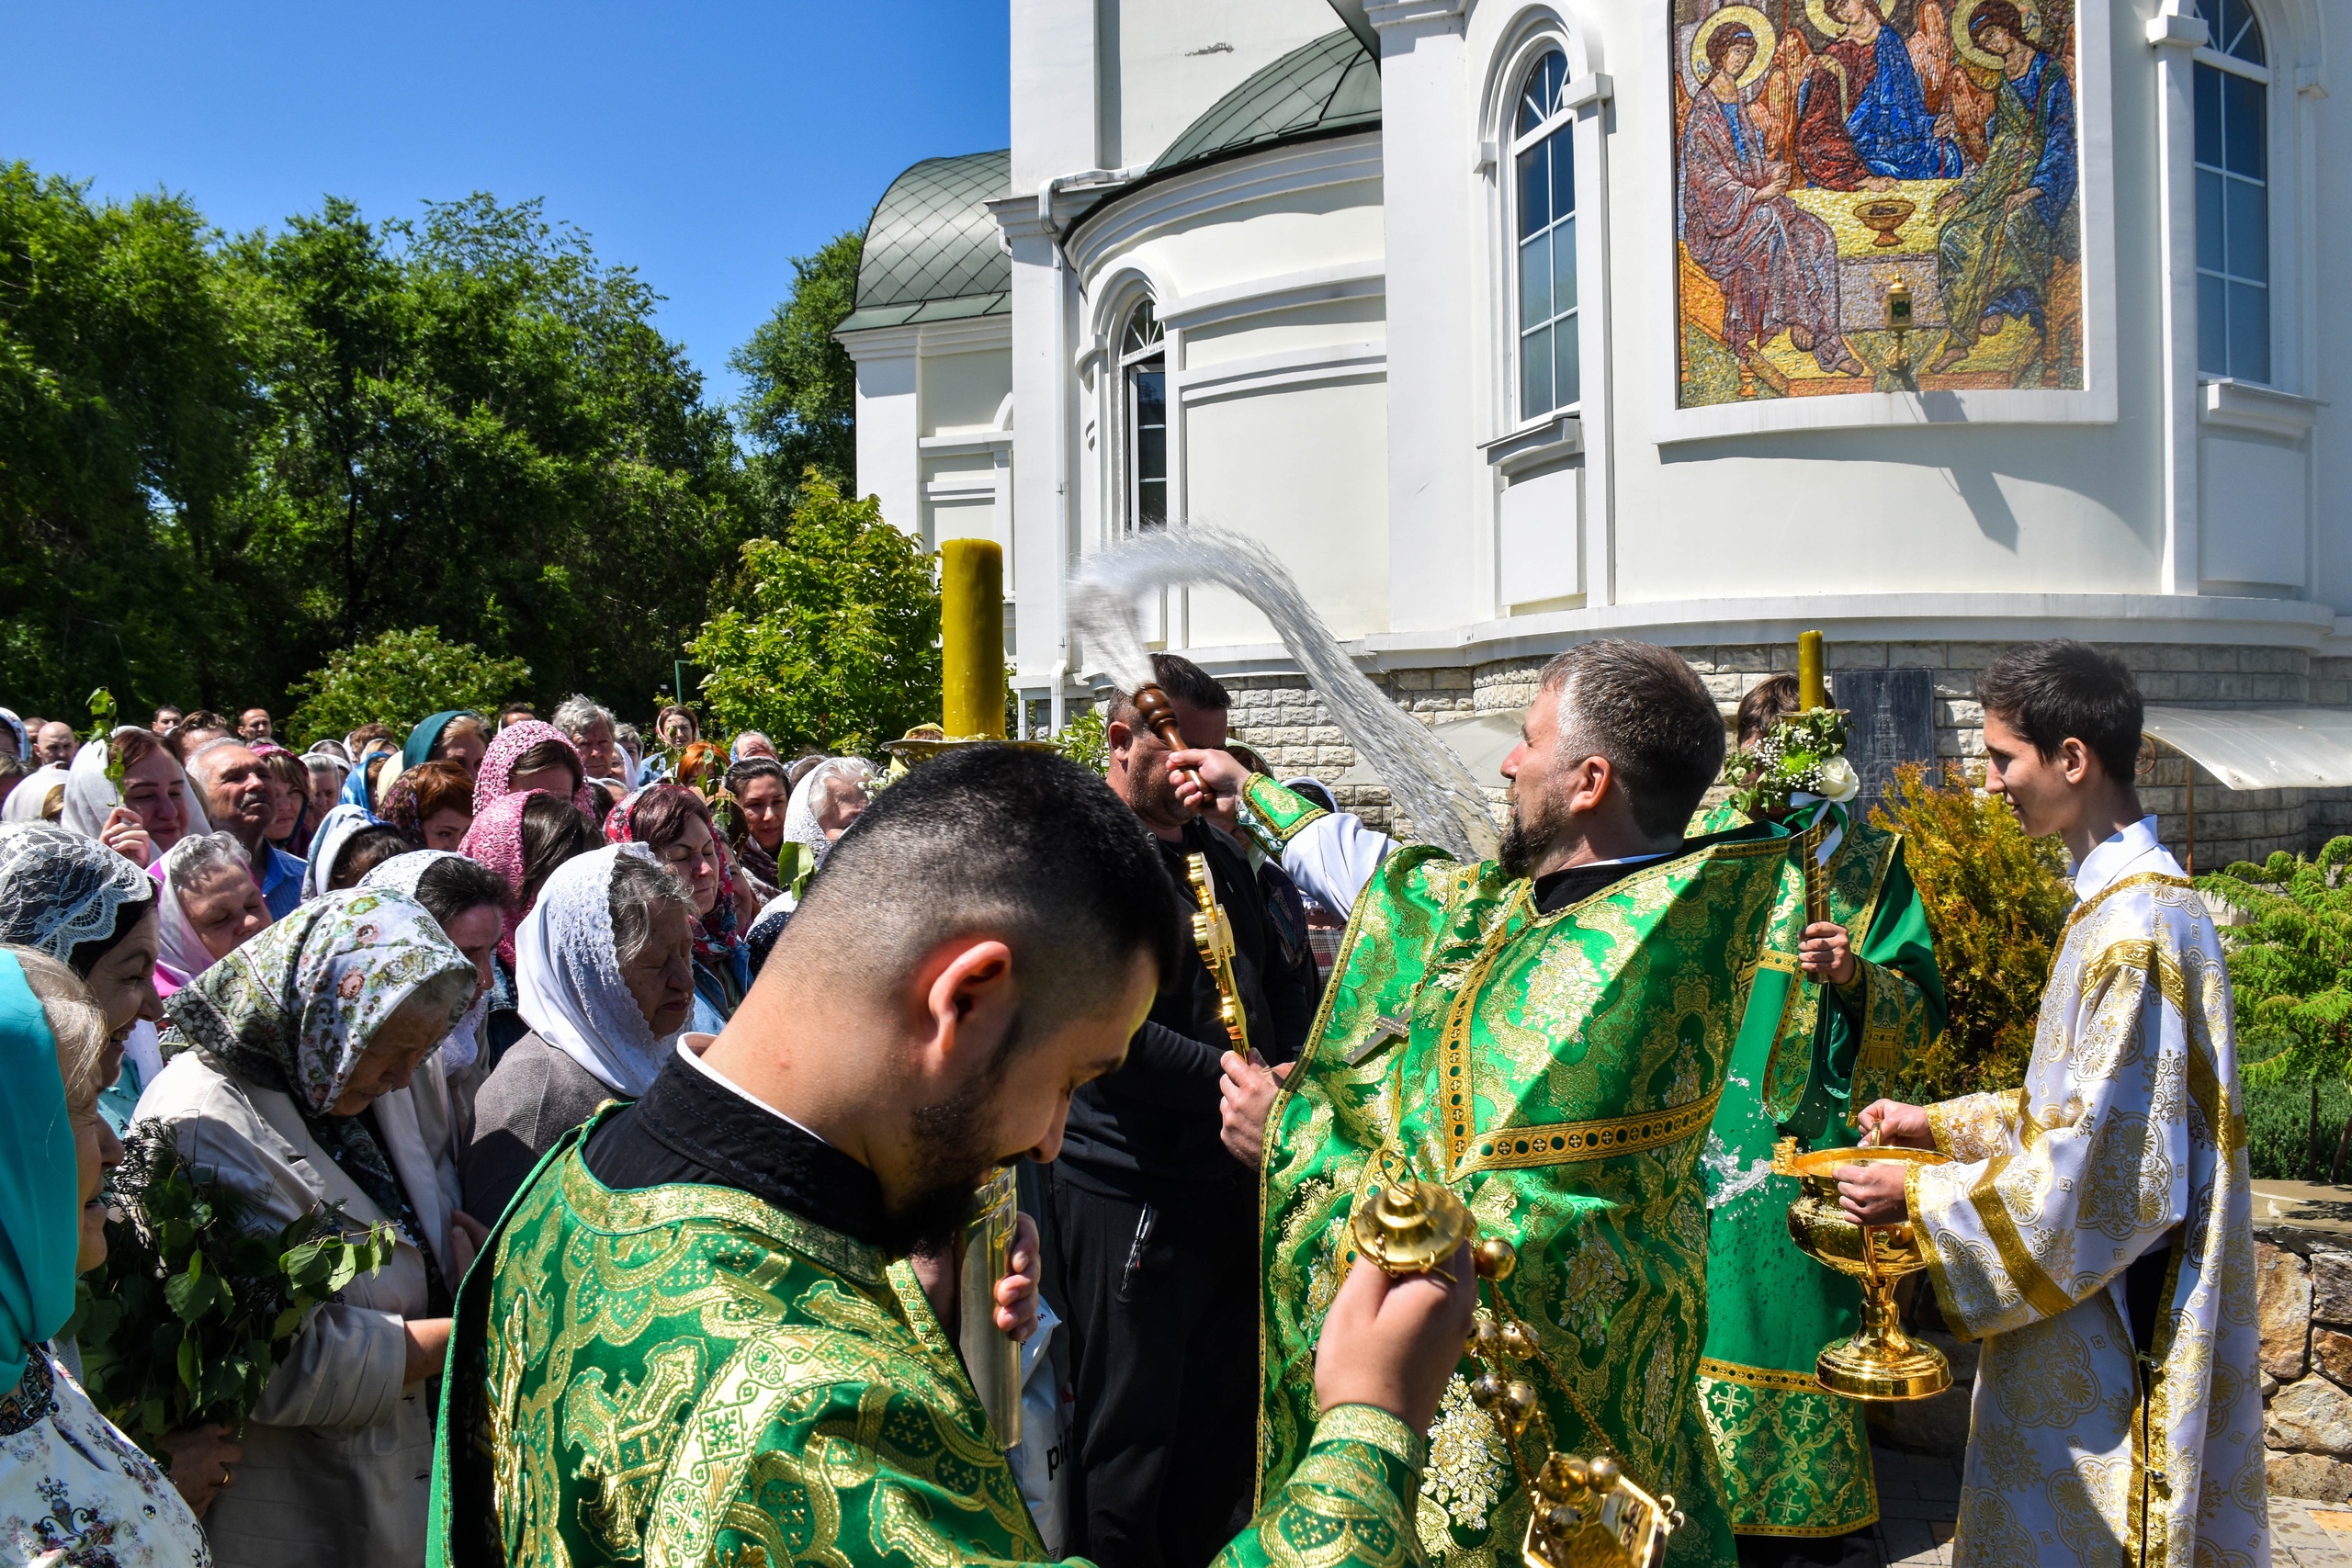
{"type": "Point", "coordinates": [1880, 1361]}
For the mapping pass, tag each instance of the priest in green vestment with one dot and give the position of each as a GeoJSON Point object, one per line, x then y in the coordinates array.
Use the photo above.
{"type": "Point", "coordinates": [1796, 1458]}
{"type": "Point", "coordinates": [717, 1328]}
{"type": "Point", "coordinates": [1547, 1033]}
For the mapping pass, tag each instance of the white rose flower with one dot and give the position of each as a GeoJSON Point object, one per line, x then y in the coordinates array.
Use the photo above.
{"type": "Point", "coordinates": [1838, 781]}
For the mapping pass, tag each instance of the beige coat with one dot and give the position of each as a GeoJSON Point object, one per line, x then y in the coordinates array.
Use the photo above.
{"type": "Point", "coordinates": [339, 1453]}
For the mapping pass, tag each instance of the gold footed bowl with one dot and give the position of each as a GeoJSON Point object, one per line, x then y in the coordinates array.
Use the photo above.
{"type": "Point", "coordinates": [1880, 1361]}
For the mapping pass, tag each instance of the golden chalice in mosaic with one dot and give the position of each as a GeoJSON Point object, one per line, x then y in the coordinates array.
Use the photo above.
{"type": "Point", "coordinates": [1885, 217]}
{"type": "Point", "coordinates": [1880, 1361]}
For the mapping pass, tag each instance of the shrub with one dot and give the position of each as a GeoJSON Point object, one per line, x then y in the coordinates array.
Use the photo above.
{"type": "Point", "coordinates": [1997, 903]}
{"type": "Point", "coordinates": [396, 680]}
{"type": "Point", "coordinates": [830, 637]}
{"type": "Point", "coordinates": [2293, 1009]}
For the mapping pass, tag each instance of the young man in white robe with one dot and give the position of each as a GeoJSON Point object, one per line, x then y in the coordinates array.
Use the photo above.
{"type": "Point", "coordinates": [2094, 1228]}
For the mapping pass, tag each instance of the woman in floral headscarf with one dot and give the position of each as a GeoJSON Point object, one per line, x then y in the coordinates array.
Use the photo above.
{"type": "Point", "coordinates": [282, 1060]}
{"type": "Point", "coordinates": [675, 823]}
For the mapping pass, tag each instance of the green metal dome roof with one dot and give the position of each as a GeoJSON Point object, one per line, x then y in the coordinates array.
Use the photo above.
{"type": "Point", "coordinates": [1317, 89]}
{"type": "Point", "coordinates": [932, 249]}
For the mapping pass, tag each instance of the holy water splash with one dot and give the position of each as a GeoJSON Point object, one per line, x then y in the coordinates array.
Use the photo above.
{"type": "Point", "coordinates": [1425, 779]}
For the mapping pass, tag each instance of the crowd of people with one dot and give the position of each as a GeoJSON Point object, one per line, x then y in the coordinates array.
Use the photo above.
{"type": "Point", "coordinates": [671, 1074]}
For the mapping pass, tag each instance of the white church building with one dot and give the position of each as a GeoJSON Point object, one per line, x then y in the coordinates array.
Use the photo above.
{"type": "Point", "coordinates": [1936, 324]}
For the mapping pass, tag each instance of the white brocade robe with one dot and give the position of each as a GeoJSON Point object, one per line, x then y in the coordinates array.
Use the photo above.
{"type": "Point", "coordinates": [2128, 1136]}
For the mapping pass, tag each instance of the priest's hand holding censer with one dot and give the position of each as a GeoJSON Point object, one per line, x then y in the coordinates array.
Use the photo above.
{"type": "Point", "coordinates": [1583, 1513]}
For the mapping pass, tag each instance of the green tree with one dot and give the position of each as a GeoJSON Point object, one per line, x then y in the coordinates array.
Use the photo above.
{"type": "Point", "coordinates": [126, 404]}
{"type": "Point", "coordinates": [398, 678]}
{"type": "Point", "coordinates": [477, 426]}
{"type": "Point", "coordinates": [800, 399]}
{"type": "Point", "coordinates": [2287, 967]}
{"type": "Point", "coordinates": [1996, 901]}
{"type": "Point", "coordinates": [829, 637]}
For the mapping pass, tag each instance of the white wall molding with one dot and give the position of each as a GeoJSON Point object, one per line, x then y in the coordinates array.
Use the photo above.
{"type": "Point", "coordinates": [1309, 286]}
{"type": "Point", "coordinates": [2240, 405]}
{"type": "Point", "coordinates": [1184, 200]}
{"type": "Point", "coordinates": [1293, 368]}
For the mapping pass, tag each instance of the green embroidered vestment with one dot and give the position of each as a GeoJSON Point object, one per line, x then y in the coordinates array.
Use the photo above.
{"type": "Point", "coordinates": [687, 1377]}
{"type": "Point", "coordinates": [1795, 1459]}
{"type": "Point", "coordinates": [1559, 1072]}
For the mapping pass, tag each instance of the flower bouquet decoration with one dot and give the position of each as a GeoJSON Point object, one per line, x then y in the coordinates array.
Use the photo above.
{"type": "Point", "coordinates": [1803, 753]}
{"type": "Point", "coordinates": [193, 1308]}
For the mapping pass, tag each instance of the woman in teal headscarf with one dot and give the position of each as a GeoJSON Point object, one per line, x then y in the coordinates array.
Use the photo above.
{"type": "Point", "coordinates": [73, 1488]}
{"type": "Point", "coordinates": [453, 733]}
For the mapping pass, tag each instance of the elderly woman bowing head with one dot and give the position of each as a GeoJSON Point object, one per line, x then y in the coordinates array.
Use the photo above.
{"type": "Point", "coordinates": [282, 1056]}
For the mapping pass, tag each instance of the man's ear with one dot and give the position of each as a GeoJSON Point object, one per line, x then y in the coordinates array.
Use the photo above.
{"type": "Point", "coordinates": [1589, 783]}
{"type": "Point", "coordinates": [966, 998]}
{"type": "Point", "coordinates": [2078, 762]}
{"type": "Point", "coordinates": [1118, 735]}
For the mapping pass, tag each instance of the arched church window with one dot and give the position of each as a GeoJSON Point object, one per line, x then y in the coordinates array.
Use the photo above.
{"type": "Point", "coordinates": [1143, 372]}
{"type": "Point", "coordinates": [2233, 88]}
{"type": "Point", "coordinates": [1544, 215]}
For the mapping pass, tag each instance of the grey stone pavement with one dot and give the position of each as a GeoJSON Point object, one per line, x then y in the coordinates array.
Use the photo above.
{"type": "Point", "coordinates": [1917, 1499]}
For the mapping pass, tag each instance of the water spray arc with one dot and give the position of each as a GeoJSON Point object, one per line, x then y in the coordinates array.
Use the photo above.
{"type": "Point", "coordinates": [1447, 806]}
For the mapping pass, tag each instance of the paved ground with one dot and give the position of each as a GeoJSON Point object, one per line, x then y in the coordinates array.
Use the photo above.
{"type": "Point", "coordinates": [1918, 1498]}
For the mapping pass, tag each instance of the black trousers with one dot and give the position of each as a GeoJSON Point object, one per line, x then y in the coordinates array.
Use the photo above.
{"type": "Point", "coordinates": [1161, 1304]}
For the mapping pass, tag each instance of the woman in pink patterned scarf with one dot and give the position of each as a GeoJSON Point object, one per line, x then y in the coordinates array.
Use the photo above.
{"type": "Point", "coordinates": [528, 755]}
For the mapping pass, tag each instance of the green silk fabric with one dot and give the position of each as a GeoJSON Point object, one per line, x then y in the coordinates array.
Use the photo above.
{"type": "Point", "coordinates": [1559, 1072]}
{"type": "Point", "coordinates": [1796, 1458]}
{"type": "Point", "coordinates": [687, 1376]}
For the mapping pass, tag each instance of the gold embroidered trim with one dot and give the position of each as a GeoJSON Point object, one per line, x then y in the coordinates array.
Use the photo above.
{"type": "Point", "coordinates": [2001, 1230]}
{"type": "Point", "coordinates": [1461, 1098]}
{"type": "Point", "coordinates": [1566, 1142]}
{"type": "Point", "coordinates": [2145, 879]}
{"type": "Point", "coordinates": [1762, 1377]}
{"type": "Point", "coordinates": [599, 1207]}
{"type": "Point", "coordinates": [2140, 955]}
{"type": "Point", "coordinates": [1371, 1424]}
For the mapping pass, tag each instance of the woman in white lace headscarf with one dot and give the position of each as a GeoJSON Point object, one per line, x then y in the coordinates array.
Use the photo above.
{"type": "Point", "coordinates": [28, 802]}
{"type": "Point", "coordinates": [829, 798]}
{"type": "Point", "coordinates": [92, 910]}
{"type": "Point", "coordinates": [603, 964]}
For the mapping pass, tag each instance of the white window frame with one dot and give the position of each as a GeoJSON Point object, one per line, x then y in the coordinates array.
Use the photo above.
{"type": "Point", "coordinates": [1129, 362]}
{"type": "Point", "coordinates": [1561, 122]}
{"type": "Point", "coordinates": [2230, 64]}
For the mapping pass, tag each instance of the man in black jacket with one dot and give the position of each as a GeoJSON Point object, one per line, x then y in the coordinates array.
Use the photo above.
{"type": "Point", "coordinates": [1152, 1240]}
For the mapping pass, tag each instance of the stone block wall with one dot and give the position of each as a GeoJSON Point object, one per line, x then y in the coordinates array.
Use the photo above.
{"type": "Point", "coordinates": [1281, 717]}
{"type": "Point", "coordinates": [2304, 1304]}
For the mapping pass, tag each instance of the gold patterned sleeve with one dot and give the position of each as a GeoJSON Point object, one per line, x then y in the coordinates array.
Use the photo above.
{"type": "Point", "coordinates": [2095, 1170]}
{"type": "Point", "coordinates": [1349, 1503]}
{"type": "Point", "coordinates": [1975, 1126]}
{"type": "Point", "coordinates": [1273, 815]}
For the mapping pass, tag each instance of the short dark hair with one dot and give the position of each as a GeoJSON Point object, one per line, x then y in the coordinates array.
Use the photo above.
{"type": "Point", "coordinates": [1767, 702]}
{"type": "Point", "coordinates": [553, 831]}
{"type": "Point", "coordinates": [2050, 691]}
{"type": "Point", "coordinates": [549, 753]}
{"type": "Point", "coordinates": [454, 885]}
{"type": "Point", "coordinates": [660, 816]}
{"type": "Point", "coordinates": [1643, 708]}
{"type": "Point", "coordinates": [366, 850]}
{"type": "Point", "coordinates": [1025, 845]}
{"type": "Point", "coordinates": [1179, 677]}
{"type": "Point", "coordinates": [752, 768]}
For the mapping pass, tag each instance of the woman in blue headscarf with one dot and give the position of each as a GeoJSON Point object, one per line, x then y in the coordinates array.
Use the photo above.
{"type": "Point", "coordinates": [454, 734]}
{"type": "Point", "coordinates": [73, 1488]}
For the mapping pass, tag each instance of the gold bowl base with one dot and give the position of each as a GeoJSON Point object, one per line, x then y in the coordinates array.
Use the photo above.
{"type": "Point", "coordinates": [1878, 1372]}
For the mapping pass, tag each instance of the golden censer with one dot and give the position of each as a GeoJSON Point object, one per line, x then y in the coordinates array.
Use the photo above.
{"type": "Point", "coordinates": [1880, 1361]}
{"type": "Point", "coordinates": [1582, 1513]}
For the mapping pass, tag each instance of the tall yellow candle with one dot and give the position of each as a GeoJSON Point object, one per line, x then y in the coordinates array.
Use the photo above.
{"type": "Point", "coordinates": [971, 639]}
{"type": "Point", "coordinates": [1813, 690]}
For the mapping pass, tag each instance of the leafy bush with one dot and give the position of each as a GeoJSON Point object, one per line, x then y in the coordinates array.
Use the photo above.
{"type": "Point", "coordinates": [396, 680]}
{"type": "Point", "coordinates": [1996, 901]}
{"type": "Point", "coordinates": [829, 637]}
{"type": "Point", "coordinates": [1081, 742]}
{"type": "Point", "coordinates": [193, 1309]}
{"type": "Point", "coordinates": [2287, 973]}
{"type": "Point", "coordinates": [2281, 1129]}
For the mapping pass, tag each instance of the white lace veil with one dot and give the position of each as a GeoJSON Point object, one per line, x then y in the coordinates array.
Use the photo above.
{"type": "Point", "coordinates": [59, 890]}
{"type": "Point", "coordinates": [800, 824]}
{"type": "Point", "coordinates": [401, 874]}
{"type": "Point", "coordinates": [568, 978]}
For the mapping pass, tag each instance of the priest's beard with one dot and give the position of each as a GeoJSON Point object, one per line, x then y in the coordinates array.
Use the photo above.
{"type": "Point", "coordinates": [957, 1153]}
{"type": "Point", "coordinates": [1533, 831]}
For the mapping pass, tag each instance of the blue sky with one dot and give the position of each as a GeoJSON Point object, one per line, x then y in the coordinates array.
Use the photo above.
{"type": "Point", "coordinates": [703, 143]}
